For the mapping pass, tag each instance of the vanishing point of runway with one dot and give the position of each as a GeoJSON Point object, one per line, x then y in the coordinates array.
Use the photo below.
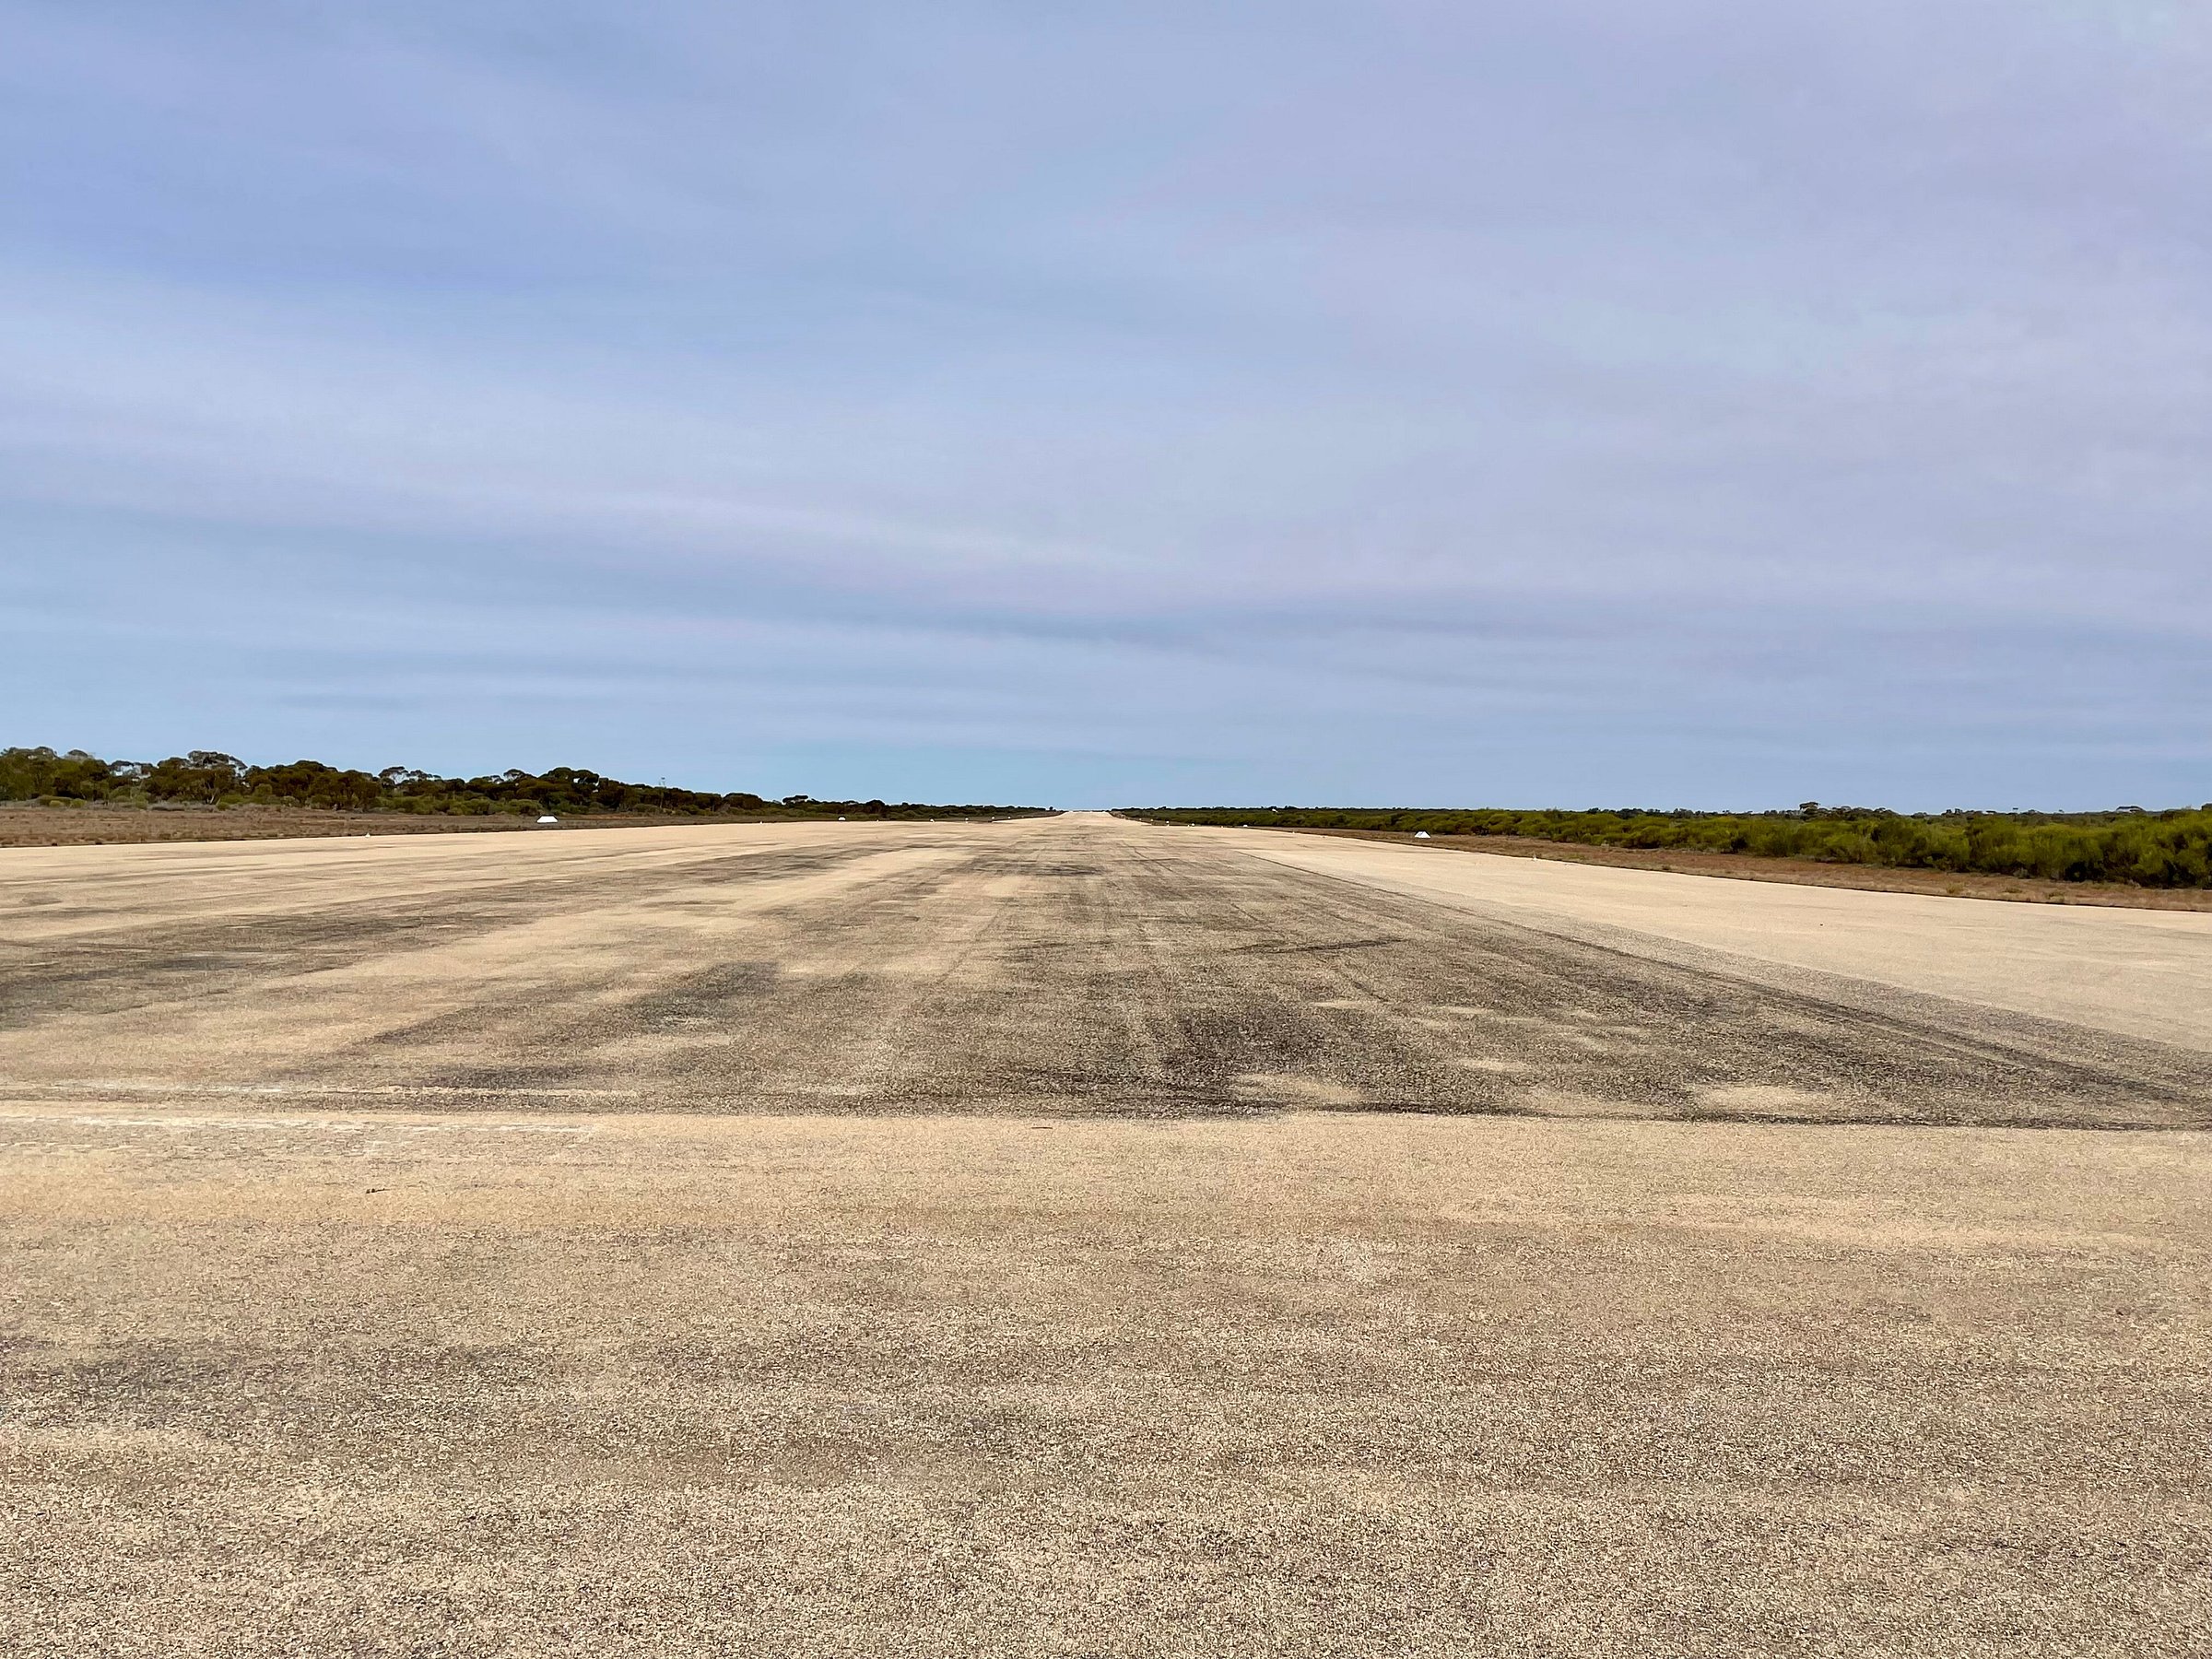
{"type": "Point", "coordinates": [1078, 1237]}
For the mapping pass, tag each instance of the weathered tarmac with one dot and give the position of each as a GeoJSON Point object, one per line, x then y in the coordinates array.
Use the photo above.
{"type": "Point", "coordinates": [1079, 1237]}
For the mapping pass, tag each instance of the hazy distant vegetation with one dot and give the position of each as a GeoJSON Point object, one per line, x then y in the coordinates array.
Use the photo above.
{"type": "Point", "coordinates": [208, 779]}
{"type": "Point", "coordinates": [2147, 849]}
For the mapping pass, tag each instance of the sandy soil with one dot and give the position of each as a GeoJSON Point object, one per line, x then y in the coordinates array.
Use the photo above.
{"type": "Point", "coordinates": [1070, 1238]}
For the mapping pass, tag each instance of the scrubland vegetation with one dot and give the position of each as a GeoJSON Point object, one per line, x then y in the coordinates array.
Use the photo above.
{"type": "Point", "coordinates": [205, 778]}
{"type": "Point", "coordinates": [2170, 848]}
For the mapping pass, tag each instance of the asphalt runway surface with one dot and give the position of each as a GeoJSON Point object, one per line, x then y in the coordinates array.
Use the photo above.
{"type": "Point", "coordinates": [1079, 1237]}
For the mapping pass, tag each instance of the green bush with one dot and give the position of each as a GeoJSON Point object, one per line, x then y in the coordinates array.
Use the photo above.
{"type": "Point", "coordinates": [2171, 849]}
{"type": "Point", "coordinates": [210, 778]}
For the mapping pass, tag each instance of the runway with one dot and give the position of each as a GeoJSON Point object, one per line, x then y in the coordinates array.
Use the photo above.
{"type": "Point", "coordinates": [1077, 965]}
{"type": "Point", "coordinates": [1073, 1237]}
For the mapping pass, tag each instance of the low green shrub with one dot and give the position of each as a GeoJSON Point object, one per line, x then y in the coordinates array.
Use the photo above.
{"type": "Point", "coordinates": [2171, 849]}
{"type": "Point", "coordinates": [206, 777]}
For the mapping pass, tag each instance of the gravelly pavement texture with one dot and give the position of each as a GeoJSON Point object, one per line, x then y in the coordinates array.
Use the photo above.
{"type": "Point", "coordinates": [1073, 1238]}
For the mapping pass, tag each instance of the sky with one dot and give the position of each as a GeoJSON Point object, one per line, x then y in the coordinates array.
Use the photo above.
{"type": "Point", "coordinates": [1561, 403]}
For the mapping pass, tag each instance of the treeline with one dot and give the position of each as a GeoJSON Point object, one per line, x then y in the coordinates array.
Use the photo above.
{"type": "Point", "coordinates": [208, 779]}
{"type": "Point", "coordinates": [2171, 849]}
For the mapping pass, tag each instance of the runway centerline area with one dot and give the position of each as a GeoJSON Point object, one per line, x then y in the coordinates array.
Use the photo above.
{"type": "Point", "coordinates": [1074, 965]}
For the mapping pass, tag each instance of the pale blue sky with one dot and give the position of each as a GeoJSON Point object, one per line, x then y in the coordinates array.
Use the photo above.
{"type": "Point", "coordinates": [1569, 402]}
